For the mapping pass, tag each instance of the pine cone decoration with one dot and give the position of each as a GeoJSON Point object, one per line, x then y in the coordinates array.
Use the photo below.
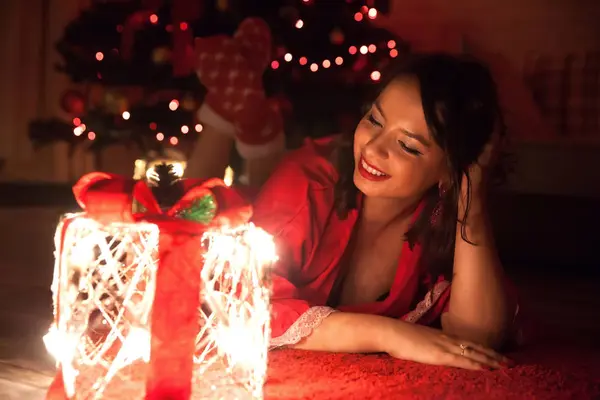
{"type": "Point", "coordinates": [167, 188]}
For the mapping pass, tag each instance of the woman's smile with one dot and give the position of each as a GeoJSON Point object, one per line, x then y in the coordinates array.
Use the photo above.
{"type": "Point", "coordinates": [370, 172]}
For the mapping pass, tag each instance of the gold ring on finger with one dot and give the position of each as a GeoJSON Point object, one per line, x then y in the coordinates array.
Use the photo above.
{"type": "Point", "coordinates": [463, 349]}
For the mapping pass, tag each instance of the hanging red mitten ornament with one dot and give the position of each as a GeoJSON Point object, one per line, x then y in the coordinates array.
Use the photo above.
{"type": "Point", "coordinates": [236, 104]}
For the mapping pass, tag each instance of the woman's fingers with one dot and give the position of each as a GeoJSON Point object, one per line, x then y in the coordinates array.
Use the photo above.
{"type": "Point", "coordinates": [481, 358]}
{"type": "Point", "coordinates": [489, 352]}
{"type": "Point", "coordinates": [484, 357]}
{"type": "Point", "coordinates": [456, 360]}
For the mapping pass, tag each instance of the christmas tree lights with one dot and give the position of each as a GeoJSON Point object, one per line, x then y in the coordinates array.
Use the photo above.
{"type": "Point", "coordinates": [136, 85]}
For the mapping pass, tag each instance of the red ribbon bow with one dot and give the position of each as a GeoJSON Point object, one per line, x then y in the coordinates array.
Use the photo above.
{"type": "Point", "coordinates": [174, 323]}
{"type": "Point", "coordinates": [109, 198]}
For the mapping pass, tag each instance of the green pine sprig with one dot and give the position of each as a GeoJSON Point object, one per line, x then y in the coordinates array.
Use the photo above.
{"type": "Point", "coordinates": [202, 210]}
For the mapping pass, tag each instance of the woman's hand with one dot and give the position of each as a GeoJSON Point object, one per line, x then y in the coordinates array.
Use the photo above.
{"type": "Point", "coordinates": [426, 345]}
{"type": "Point", "coordinates": [474, 186]}
{"type": "Point", "coordinates": [479, 170]}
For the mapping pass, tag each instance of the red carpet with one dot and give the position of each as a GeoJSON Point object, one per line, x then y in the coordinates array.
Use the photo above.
{"type": "Point", "coordinates": [550, 370]}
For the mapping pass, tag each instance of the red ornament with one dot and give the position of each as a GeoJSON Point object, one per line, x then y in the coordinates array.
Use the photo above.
{"type": "Point", "coordinates": [337, 36]}
{"type": "Point", "coordinates": [359, 64]}
{"type": "Point", "coordinates": [73, 102]}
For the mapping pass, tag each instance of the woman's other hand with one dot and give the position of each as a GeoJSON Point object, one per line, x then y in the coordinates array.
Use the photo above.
{"type": "Point", "coordinates": [426, 345]}
{"type": "Point", "coordinates": [480, 170]}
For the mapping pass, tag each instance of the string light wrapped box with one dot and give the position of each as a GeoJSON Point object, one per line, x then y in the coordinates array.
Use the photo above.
{"type": "Point", "coordinates": [161, 304]}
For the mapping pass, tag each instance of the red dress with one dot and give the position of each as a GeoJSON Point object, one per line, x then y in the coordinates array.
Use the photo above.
{"type": "Point", "coordinates": [296, 206]}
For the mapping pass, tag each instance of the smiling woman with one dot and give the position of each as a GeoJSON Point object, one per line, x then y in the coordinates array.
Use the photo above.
{"type": "Point", "coordinates": [375, 229]}
{"type": "Point", "coordinates": [387, 143]}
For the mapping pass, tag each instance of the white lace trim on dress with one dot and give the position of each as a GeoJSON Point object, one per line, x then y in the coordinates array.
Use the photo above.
{"type": "Point", "coordinates": [425, 305]}
{"type": "Point", "coordinates": [303, 327]}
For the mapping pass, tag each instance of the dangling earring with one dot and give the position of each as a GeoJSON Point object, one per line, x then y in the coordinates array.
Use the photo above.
{"type": "Point", "coordinates": [437, 211]}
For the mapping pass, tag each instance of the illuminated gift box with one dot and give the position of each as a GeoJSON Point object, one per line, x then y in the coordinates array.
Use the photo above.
{"type": "Point", "coordinates": [159, 304]}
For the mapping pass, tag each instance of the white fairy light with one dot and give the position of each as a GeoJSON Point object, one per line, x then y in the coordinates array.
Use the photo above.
{"type": "Point", "coordinates": [229, 175]}
{"type": "Point", "coordinates": [236, 316]}
{"type": "Point", "coordinates": [103, 290]}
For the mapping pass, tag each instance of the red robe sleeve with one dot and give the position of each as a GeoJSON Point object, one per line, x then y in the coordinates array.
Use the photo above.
{"type": "Point", "coordinates": [283, 209]}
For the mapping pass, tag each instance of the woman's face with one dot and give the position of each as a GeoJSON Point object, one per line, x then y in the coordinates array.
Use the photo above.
{"type": "Point", "coordinates": [394, 154]}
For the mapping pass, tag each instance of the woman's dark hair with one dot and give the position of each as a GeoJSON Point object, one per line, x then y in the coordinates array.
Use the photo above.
{"type": "Point", "coordinates": [462, 111]}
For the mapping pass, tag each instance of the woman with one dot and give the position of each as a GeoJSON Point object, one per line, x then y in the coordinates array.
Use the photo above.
{"type": "Point", "coordinates": [366, 226]}
{"type": "Point", "coordinates": [383, 235]}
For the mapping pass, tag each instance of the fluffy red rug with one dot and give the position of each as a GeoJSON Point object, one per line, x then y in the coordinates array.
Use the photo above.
{"type": "Point", "coordinates": [555, 370]}
{"type": "Point", "coordinates": [545, 370]}
{"type": "Point", "coordinates": [561, 361]}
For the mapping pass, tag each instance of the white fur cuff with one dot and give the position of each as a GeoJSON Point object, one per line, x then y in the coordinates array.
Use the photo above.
{"type": "Point", "coordinates": [208, 116]}
{"type": "Point", "coordinates": [254, 151]}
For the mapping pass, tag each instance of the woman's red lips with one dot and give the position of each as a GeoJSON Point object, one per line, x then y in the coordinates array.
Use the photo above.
{"type": "Point", "coordinates": [370, 172]}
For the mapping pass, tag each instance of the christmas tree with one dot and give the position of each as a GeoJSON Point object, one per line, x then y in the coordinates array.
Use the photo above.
{"type": "Point", "coordinates": [327, 57]}
{"type": "Point", "coordinates": [134, 81]}
{"type": "Point", "coordinates": [126, 61]}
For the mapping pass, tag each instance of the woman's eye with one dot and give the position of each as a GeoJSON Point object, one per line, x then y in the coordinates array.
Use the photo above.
{"type": "Point", "coordinates": [409, 150]}
{"type": "Point", "coordinates": [372, 120]}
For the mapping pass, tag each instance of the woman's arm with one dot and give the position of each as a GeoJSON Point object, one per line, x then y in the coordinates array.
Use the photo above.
{"type": "Point", "coordinates": [210, 156]}
{"type": "Point", "coordinates": [343, 332]}
{"type": "Point", "coordinates": [258, 170]}
{"type": "Point", "coordinates": [479, 307]}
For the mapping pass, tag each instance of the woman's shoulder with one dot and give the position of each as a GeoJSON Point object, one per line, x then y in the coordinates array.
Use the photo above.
{"type": "Point", "coordinates": [304, 180]}
{"type": "Point", "coordinates": [312, 163]}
